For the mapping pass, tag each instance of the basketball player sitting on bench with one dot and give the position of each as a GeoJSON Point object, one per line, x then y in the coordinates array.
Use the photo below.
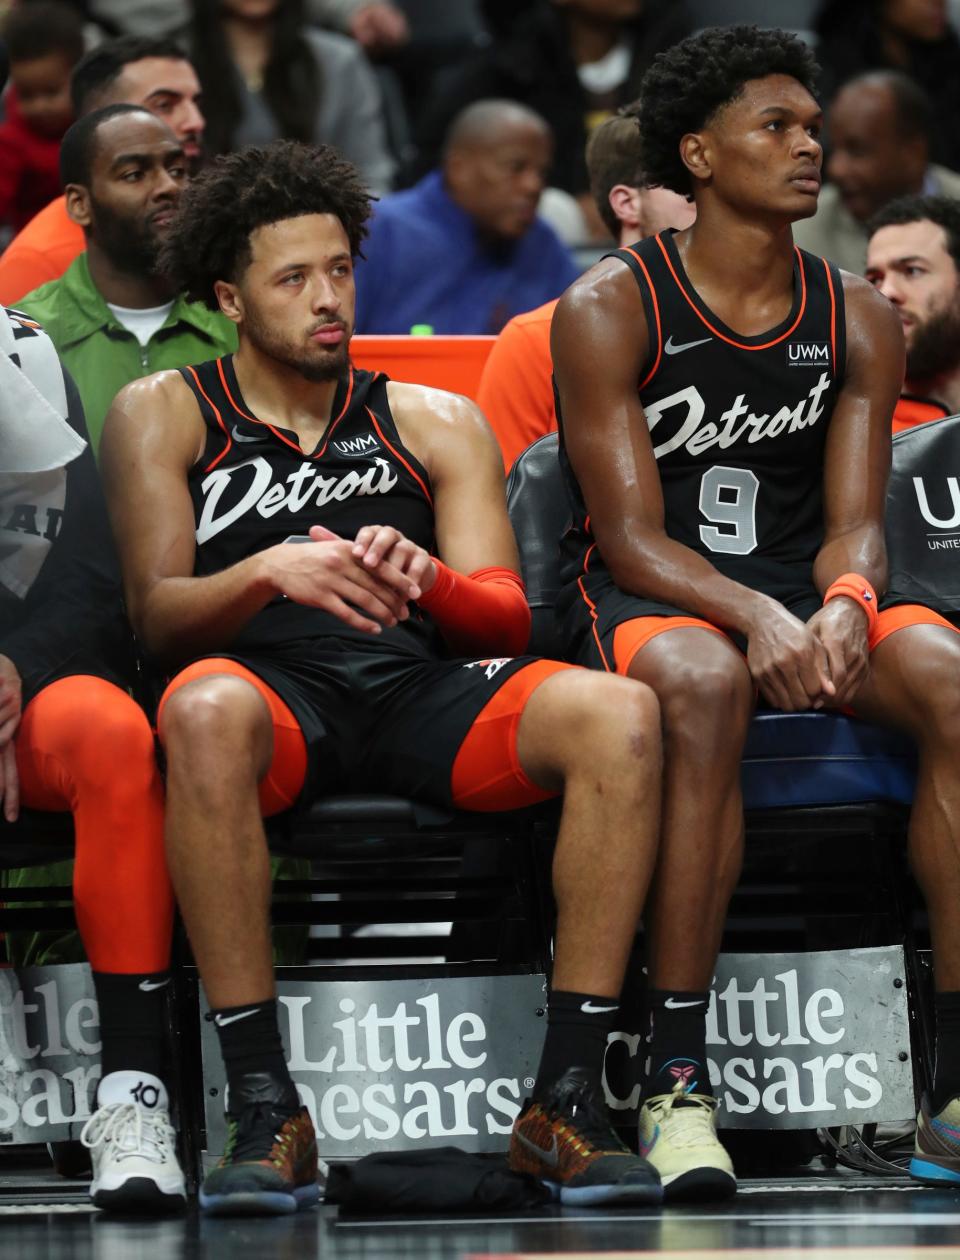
{"type": "Point", "coordinates": [298, 538]}
{"type": "Point", "coordinates": [728, 537]}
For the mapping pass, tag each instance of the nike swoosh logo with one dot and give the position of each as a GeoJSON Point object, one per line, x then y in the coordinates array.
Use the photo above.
{"type": "Point", "coordinates": [673, 1005]}
{"type": "Point", "coordinates": [588, 1008]}
{"type": "Point", "coordinates": [672, 348]}
{"type": "Point", "coordinates": [148, 986]}
{"type": "Point", "coordinates": [551, 1158]}
{"type": "Point", "coordinates": [242, 437]}
{"type": "Point", "coordinates": [221, 1021]}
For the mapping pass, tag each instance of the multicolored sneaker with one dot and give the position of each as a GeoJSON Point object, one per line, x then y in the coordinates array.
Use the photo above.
{"type": "Point", "coordinates": [678, 1135]}
{"type": "Point", "coordinates": [936, 1149]}
{"type": "Point", "coordinates": [269, 1166]}
{"type": "Point", "coordinates": [568, 1143]}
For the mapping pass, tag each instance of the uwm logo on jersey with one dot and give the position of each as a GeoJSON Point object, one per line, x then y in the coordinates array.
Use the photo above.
{"type": "Point", "coordinates": [364, 444]}
{"type": "Point", "coordinates": [808, 354]}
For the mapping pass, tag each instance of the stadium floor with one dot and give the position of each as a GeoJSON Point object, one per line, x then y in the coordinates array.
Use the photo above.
{"type": "Point", "coordinates": [847, 1215]}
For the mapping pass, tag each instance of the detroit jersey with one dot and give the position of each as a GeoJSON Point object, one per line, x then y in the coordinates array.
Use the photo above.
{"type": "Point", "coordinates": [738, 426]}
{"type": "Point", "coordinates": [254, 487]}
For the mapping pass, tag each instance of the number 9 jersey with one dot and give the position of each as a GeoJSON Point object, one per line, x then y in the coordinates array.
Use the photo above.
{"type": "Point", "coordinates": [738, 426]}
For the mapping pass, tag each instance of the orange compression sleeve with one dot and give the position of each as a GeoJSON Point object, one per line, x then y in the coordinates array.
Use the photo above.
{"type": "Point", "coordinates": [485, 612]}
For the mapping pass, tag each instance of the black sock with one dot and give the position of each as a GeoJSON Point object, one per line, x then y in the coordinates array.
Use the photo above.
{"type": "Point", "coordinates": [676, 1047]}
{"type": "Point", "coordinates": [946, 1075]}
{"type": "Point", "coordinates": [250, 1042]}
{"type": "Point", "coordinates": [577, 1028]}
{"type": "Point", "coordinates": [131, 1021]}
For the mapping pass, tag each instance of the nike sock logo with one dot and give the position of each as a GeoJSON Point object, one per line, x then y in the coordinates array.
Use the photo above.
{"type": "Point", "coordinates": [588, 1008]}
{"type": "Point", "coordinates": [221, 1021]}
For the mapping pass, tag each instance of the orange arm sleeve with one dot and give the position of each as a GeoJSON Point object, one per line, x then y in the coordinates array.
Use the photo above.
{"type": "Point", "coordinates": [485, 612]}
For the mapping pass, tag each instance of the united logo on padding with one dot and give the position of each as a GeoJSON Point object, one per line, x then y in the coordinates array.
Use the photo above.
{"type": "Point", "coordinates": [808, 354]}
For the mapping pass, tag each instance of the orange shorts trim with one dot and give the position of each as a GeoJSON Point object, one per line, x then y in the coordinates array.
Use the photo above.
{"type": "Point", "coordinates": [284, 780]}
{"type": "Point", "coordinates": [630, 636]}
{"type": "Point", "coordinates": [902, 617]}
{"type": "Point", "coordinates": [487, 775]}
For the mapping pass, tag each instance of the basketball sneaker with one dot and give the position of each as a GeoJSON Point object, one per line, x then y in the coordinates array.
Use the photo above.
{"type": "Point", "coordinates": [936, 1149]}
{"type": "Point", "coordinates": [132, 1147]}
{"type": "Point", "coordinates": [269, 1165]}
{"type": "Point", "coordinates": [568, 1143]}
{"type": "Point", "coordinates": [678, 1135]}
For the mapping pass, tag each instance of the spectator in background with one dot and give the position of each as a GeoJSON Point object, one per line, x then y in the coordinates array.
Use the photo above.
{"type": "Point", "coordinates": [153, 73]}
{"type": "Point", "coordinates": [516, 388]}
{"type": "Point", "coordinates": [879, 127]}
{"type": "Point", "coordinates": [913, 259]}
{"type": "Point", "coordinates": [572, 61]}
{"type": "Point", "coordinates": [267, 76]}
{"type": "Point", "coordinates": [913, 36]}
{"type": "Point", "coordinates": [112, 316]}
{"type": "Point", "coordinates": [376, 25]}
{"type": "Point", "coordinates": [44, 41]}
{"type": "Point", "coordinates": [463, 250]}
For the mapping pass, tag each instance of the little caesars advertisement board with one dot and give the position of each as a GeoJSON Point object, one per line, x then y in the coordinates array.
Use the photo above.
{"type": "Point", "coordinates": [793, 1041]}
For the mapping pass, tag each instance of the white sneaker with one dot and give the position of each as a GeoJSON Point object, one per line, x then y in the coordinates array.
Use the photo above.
{"type": "Point", "coordinates": [678, 1136]}
{"type": "Point", "coordinates": [132, 1144]}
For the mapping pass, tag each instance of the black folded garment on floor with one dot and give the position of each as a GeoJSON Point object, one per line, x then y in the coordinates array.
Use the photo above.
{"type": "Point", "coordinates": [442, 1180]}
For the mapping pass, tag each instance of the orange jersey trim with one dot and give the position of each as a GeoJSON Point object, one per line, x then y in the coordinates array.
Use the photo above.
{"type": "Point", "coordinates": [902, 617]}
{"type": "Point", "coordinates": [723, 337]}
{"type": "Point", "coordinates": [216, 411]}
{"type": "Point", "coordinates": [630, 637]}
{"type": "Point", "coordinates": [273, 428]}
{"type": "Point", "coordinates": [833, 316]}
{"type": "Point", "coordinates": [656, 312]}
{"type": "Point", "coordinates": [593, 608]}
{"type": "Point", "coordinates": [487, 774]}
{"type": "Point", "coordinates": [390, 447]}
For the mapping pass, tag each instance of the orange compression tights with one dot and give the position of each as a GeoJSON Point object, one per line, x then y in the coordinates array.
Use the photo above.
{"type": "Point", "coordinates": [85, 746]}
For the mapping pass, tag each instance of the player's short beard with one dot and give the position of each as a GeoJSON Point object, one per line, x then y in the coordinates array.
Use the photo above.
{"type": "Point", "coordinates": [330, 367]}
{"type": "Point", "coordinates": [935, 344]}
{"type": "Point", "coordinates": [131, 245]}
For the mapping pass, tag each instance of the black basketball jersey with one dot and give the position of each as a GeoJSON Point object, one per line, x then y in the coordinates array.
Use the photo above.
{"type": "Point", "coordinates": [254, 487]}
{"type": "Point", "coordinates": [738, 424]}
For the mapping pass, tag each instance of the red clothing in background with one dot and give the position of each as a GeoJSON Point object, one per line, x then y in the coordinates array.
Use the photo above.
{"type": "Point", "coordinates": [29, 168]}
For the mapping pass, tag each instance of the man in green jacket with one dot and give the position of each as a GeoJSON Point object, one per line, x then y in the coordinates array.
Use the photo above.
{"type": "Point", "coordinates": [111, 315]}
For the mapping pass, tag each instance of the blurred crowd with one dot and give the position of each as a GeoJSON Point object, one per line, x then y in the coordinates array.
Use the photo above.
{"type": "Point", "coordinates": [468, 118]}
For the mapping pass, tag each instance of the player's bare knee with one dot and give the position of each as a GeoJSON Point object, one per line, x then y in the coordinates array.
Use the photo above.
{"type": "Point", "coordinates": [219, 718]}
{"type": "Point", "coordinates": [618, 720]}
{"type": "Point", "coordinates": [937, 689]}
{"type": "Point", "coordinates": [636, 711]}
{"type": "Point", "coordinates": [706, 701]}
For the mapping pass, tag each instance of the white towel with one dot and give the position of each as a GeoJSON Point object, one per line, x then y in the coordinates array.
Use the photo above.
{"type": "Point", "coordinates": [36, 444]}
{"type": "Point", "coordinates": [34, 434]}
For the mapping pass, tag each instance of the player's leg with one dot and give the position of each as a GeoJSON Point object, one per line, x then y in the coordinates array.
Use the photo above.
{"type": "Point", "coordinates": [85, 746]}
{"type": "Point", "coordinates": [706, 700]}
{"type": "Point", "coordinates": [914, 685]}
{"type": "Point", "coordinates": [595, 739]}
{"type": "Point", "coordinates": [234, 752]}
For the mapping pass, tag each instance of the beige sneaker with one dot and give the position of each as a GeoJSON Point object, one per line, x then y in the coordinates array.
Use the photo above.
{"type": "Point", "coordinates": [678, 1136]}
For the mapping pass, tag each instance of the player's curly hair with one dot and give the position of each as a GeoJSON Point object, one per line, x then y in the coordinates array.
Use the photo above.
{"type": "Point", "coordinates": [209, 238]}
{"type": "Point", "coordinates": [687, 84]}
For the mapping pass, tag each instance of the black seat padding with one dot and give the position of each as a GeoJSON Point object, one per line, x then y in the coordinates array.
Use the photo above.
{"type": "Point", "coordinates": [923, 515]}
